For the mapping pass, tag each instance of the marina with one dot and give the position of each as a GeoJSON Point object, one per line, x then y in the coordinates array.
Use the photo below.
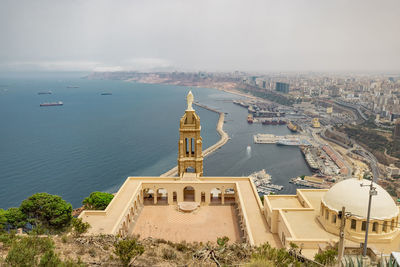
{"type": "Point", "coordinates": [262, 181]}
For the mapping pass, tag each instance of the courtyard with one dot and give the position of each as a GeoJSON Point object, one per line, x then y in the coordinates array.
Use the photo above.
{"type": "Point", "coordinates": [207, 223]}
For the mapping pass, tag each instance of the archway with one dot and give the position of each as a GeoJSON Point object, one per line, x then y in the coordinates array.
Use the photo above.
{"type": "Point", "coordinates": [190, 169]}
{"type": "Point", "coordinates": [229, 196]}
{"type": "Point", "coordinates": [188, 193]}
{"type": "Point", "coordinates": [148, 196]}
{"type": "Point", "coordinates": [162, 196]}
{"type": "Point", "coordinates": [215, 196]}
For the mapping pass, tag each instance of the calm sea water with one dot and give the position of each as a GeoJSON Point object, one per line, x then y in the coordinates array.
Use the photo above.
{"type": "Point", "coordinates": [94, 142]}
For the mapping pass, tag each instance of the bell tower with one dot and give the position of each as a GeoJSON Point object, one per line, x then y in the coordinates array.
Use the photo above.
{"type": "Point", "coordinates": [190, 155]}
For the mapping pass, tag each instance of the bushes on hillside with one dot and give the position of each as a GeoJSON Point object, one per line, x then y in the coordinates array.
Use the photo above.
{"type": "Point", "coordinates": [36, 251]}
{"type": "Point", "coordinates": [97, 201]}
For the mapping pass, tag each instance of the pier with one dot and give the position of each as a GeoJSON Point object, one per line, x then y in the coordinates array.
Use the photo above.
{"type": "Point", "coordinates": [222, 141]}
{"type": "Point", "coordinates": [276, 139]}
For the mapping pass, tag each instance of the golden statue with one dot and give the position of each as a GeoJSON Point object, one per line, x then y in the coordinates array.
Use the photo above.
{"type": "Point", "coordinates": [189, 99]}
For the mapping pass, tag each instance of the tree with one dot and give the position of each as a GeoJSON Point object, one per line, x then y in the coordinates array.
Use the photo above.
{"type": "Point", "coordinates": [49, 210]}
{"type": "Point", "coordinates": [97, 201]}
{"type": "Point", "coordinates": [3, 219]}
{"type": "Point", "coordinates": [15, 217]}
{"type": "Point", "coordinates": [128, 249]}
{"type": "Point", "coordinates": [79, 226]}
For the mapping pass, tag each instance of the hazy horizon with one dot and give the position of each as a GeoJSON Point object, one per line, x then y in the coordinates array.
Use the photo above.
{"type": "Point", "coordinates": [216, 36]}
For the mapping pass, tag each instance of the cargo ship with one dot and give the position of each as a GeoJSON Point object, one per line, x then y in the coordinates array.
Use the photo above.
{"type": "Point", "coordinates": [273, 122]}
{"type": "Point", "coordinates": [72, 86]}
{"type": "Point", "coordinates": [59, 103]}
{"type": "Point", "coordinates": [250, 119]}
{"type": "Point", "coordinates": [292, 127]}
{"type": "Point", "coordinates": [288, 142]}
{"type": "Point", "coordinates": [45, 93]}
{"type": "Point", "coordinates": [106, 93]}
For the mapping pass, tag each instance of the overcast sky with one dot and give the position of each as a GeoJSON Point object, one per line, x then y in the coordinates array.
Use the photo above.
{"type": "Point", "coordinates": [247, 35]}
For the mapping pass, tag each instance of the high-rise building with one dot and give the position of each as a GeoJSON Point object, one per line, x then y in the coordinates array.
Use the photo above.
{"type": "Point", "coordinates": [282, 87]}
{"type": "Point", "coordinates": [396, 131]}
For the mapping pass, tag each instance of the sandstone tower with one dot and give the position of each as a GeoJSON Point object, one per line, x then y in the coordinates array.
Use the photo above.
{"type": "Point", "coordinates": [190, 155]}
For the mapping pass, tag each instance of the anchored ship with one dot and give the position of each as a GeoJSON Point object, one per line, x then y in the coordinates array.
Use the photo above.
{"type": "Point", "coordinates": [45, 93]}
{"type": "Point", "coordinates": [288, 142]}
{"type": "Point", "coordinates": [59, 103]}
{"type": "Point", "coordinates": [106, 93]}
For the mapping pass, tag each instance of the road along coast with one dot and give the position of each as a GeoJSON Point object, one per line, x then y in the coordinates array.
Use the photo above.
{"type": "Point", "coordinates": [222, 141]}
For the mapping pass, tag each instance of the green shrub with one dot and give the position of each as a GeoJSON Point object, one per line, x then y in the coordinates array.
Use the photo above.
{"type": "Point", "coordinates": [127, 249]}
{"type": "Point", "coordinates": [7, 238]}
{"type": "Point", "coordinates": [50, 259]}
{"type": "Point", "coordinates": [50, 211]}
{"type": "Point", "coordinates": [97, 201]}
{"type": "Point", "coordinates": [222, 241]}
{"type": "Point", "coordinates": [327, 257]}
{"type": "Point", "coordinates": [92, 252]}
{"type": "Point", "coordinates": [182, 246]}
{"type": "Point", "coordinates": [278, 257]}
{"type": "Point", "coordinates": [79, 227]}
{"type": "Point", "coordinates": [3, 219]}
{"type": "Point", "coordinates": [168, 254]}
{"type": "Point", "coordinates": [64, 239]}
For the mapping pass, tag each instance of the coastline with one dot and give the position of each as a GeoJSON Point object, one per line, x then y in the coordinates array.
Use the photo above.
{"type": "Point", "coordinates": [222, 141]}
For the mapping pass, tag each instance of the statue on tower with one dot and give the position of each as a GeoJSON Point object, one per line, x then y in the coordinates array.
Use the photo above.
{"type": "Point", "coordinates": [189, 99]}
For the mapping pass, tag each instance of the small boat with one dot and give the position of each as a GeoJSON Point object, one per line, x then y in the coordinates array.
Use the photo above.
{"type": "Point", "coordinates": [49, 104]}
{"type": "Point", "coordinates": [107, 93]}
{"type": "Point", "coordinates": [250, 119]}
{"type": "Point", "coordinates": [292, 127]}
{"type": "Point", "coordinates": [72, 86]}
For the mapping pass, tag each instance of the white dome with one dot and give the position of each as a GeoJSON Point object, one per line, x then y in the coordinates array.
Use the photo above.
{"type": "Point", "coordinates": [350, 194]}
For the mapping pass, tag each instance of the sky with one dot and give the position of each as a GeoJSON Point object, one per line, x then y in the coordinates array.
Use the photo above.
{"type": "Point", "coordinates": [203, 35]}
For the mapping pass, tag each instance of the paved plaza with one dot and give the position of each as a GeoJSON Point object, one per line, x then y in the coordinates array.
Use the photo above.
{"type": "Point", "coordinates": [205, 224]}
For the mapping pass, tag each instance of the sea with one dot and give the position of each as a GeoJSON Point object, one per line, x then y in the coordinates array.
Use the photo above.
{"type": "Point", "coordinates": [94, 142]}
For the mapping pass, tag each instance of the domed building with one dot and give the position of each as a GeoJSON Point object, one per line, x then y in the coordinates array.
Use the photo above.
{"type": "Point", "coordinates": [348, 193]}
{"type": "Point", "coordinates": [311, 217]}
